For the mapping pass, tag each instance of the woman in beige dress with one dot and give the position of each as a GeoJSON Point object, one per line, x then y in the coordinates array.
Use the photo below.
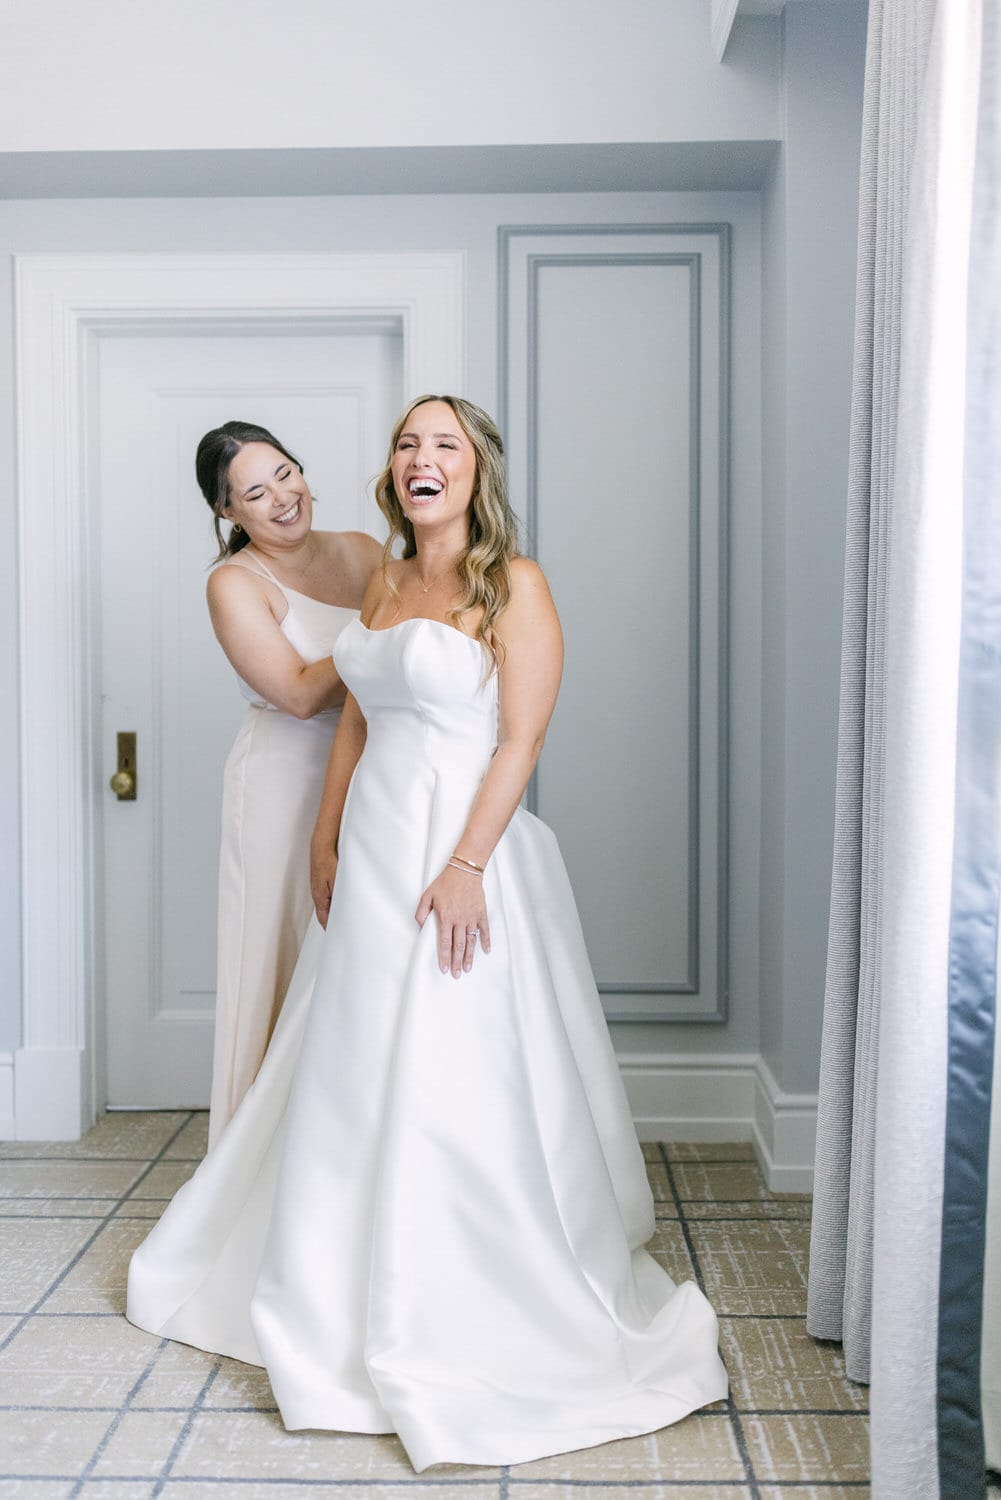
{"type": "Point", "coordinates": [280, 597]}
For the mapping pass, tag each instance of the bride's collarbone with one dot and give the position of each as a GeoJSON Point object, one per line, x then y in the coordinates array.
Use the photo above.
{"type": "Point", "coordinates": [384, 617]}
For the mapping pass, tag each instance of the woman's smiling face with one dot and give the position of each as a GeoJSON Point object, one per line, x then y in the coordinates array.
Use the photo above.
{"type": "Point", "coordinates": [434, 466]}
{"type": "Point", "coordinates": [268, 497]}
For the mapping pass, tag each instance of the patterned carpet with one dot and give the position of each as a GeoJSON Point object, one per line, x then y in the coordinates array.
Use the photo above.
{"type": "Point", "coordinates": [91, 1407]}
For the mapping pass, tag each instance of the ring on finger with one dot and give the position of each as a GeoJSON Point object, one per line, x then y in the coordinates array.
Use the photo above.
{"type": "Point", "coordinates": [472, 932]}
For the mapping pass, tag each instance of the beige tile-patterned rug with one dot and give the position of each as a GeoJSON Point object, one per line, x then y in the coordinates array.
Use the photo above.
{"type": "Point", "coordinates": [90, 1407]}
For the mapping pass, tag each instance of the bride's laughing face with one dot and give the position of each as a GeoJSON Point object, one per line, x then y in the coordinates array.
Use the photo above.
{"type": "Point", "coordinates": [434, 466]}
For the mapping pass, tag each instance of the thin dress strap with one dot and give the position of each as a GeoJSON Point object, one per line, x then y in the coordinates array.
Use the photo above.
{"type": "Point", "coordinates": [260, 567]}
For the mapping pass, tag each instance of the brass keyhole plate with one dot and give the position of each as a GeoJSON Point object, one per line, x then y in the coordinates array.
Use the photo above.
{"type": "Point", "coordinates": [123, 783]}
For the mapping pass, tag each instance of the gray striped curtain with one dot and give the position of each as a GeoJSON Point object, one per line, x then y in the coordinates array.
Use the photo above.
{"type": "Point", "coordinates": [897, 1256]}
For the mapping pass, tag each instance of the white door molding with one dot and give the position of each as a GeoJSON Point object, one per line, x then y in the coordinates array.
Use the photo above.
{"type": "Point", "coordinates": [64, 302]}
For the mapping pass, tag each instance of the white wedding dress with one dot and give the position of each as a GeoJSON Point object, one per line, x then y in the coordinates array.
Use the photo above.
{"type": "Point", "coordinates": [427, 1215]}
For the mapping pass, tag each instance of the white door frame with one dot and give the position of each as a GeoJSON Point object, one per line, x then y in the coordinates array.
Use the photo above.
{"type": "Point", "coordinates": [63, 304]}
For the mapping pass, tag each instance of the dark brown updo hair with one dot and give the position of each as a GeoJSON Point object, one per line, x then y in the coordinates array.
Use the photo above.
{"type": "Point", "coordinates": [216, 452]}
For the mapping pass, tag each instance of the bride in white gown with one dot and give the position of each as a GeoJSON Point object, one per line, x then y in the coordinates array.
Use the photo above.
{"type": "Point", "coordinates": [428, 1214]}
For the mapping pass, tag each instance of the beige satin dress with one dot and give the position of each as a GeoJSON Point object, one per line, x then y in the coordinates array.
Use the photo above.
{"type": "Point", "coordinates": [271, 791]}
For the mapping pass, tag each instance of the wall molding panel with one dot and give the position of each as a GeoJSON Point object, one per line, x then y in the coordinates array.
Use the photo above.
{"type": "Point", "coordinates": [62, 304]}
{"type": "Point", "coordinates": [606, 332]}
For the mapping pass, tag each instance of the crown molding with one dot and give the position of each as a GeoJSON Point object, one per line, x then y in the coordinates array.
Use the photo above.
{"type": "Point", "coordinates": [724, 14]}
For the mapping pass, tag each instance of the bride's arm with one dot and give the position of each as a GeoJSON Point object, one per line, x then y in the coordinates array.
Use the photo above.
{"type": "Point", "coordinates": [345, 752]}
{"type": "Point", "coordinates": [529, 680]}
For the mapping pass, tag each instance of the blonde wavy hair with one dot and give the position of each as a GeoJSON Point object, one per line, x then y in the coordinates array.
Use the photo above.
{"type": "Point", "coordinates": [484, 565]}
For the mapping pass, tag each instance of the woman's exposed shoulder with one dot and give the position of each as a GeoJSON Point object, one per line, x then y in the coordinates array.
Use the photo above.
{"type": "Point", "coordinates": [237, 592]}
{"type": "Point", "coordinates": [527, 578]}
{"type": "Point", "coordinates": [365, 543]}
{"type": "Point", "coordinates": [526, 568]}
{"type": "Point", "coordinates": [240, 583]}
{"type": "Point", "coordinates": [356, 542]}
{"type": "Point", "coordinates": [234, 580]}
{"type": "Point", "coordinates": [354, 553]}
{"type": "Point", "coordinates": [530, 606]}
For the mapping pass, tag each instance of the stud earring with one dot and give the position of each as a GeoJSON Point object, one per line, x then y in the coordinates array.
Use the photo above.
{"type": "Point", "coordinates": [237, 526]}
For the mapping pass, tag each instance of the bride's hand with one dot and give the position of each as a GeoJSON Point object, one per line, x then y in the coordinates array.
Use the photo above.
{"type": "Point", "coordinates": [322, 874]}
{"type": "Point", "coordinates": [458, 902]}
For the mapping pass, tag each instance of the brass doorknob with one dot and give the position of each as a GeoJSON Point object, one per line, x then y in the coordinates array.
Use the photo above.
{"type": "Point", "coordinates": [123, 783]}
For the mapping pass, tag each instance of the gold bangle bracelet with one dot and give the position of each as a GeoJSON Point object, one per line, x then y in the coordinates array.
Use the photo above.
{"type": "Point", "coordinates": [469, 862]}
{"type": "Point", "coordinates": [463, 867]}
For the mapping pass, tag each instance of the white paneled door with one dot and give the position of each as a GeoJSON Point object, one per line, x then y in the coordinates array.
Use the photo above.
{"type": "Point", "coordinates": [331, 395]}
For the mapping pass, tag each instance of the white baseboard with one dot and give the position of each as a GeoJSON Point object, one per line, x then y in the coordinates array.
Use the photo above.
{"type": "Point", "coordinates": [724, 1097]}
{"type": "Point", "coordinates": [784, 1133]}
{"type": "Point", "coordinates": [689, 1097]}
{"type": "Point", "coordinates": [51, 1099]}
{"type": "Point", "coordinates": [6, 1096]}
{"type": "Point", "coordinates": [704, 1097]}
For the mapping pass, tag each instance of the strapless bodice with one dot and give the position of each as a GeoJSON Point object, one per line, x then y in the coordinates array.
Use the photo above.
{"type": "Point", "coordinates": [426, 690]}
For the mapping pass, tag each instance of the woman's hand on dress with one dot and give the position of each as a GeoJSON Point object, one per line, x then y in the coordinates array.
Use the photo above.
{"type": "Point", "coordinates": [458, 902]}
{"type": "Point", "coordinates": [322, 874]}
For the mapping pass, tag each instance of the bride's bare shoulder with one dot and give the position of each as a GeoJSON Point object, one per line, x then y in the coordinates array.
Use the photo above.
{"type": "Point", "coordinates": [528, 582]}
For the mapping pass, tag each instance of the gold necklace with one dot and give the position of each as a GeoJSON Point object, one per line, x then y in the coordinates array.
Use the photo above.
{"type": "Point", "coordinates": [427, 587]}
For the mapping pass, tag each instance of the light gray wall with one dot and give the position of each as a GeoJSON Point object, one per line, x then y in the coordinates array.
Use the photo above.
{"type": "Point", "coordinates": [469, 223]}
{"type": "Point", "coordinates": [810, 209]}
{"type": "Point", "coordinates": [787, 517]}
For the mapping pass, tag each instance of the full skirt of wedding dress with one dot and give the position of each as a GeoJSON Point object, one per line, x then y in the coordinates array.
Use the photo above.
{"type": "Point", "coordinates": [428, 1214]}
